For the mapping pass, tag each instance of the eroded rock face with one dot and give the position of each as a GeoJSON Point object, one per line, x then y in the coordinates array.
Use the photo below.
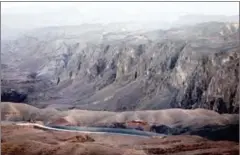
{"type": "Point", "coordinates": [187, 67]}
{"type": "Point", "coordinates": [214, 83]}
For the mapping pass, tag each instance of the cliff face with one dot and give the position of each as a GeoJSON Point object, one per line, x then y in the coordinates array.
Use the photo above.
{"type": "Point", "coordinates": [188, 67]}
{"type": "Point", "coordinates": [214, 84]}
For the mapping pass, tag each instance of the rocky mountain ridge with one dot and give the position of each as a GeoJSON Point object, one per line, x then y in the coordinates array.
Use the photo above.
{"type": "Point", "coordinates": [186, 67]}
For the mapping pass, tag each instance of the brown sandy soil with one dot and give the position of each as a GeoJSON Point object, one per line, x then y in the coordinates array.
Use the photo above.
{"type": "Point", "coordinates": [170, 117]}
{"type": "Point", "coordinates": [18, 140]}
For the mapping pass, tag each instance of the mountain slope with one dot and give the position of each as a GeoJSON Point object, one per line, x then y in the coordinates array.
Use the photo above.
{"type": "Point", "coordinates": [186, 67]}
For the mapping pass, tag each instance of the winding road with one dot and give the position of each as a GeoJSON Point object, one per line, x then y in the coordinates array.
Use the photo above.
{"type": "Point", "coordinates": [96, 130]}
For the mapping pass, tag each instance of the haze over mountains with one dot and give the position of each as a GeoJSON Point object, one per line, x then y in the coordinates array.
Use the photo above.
{"type": "Point", "coordinates": [38, 20]}
{"type": "Point", "coordinates": [20, 17]}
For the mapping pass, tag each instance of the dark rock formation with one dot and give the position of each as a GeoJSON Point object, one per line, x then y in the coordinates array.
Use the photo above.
{"type": "Point", "coordinates": [213, 132]}
{"type": "Point", "coordinates": [163, 129]}
{"type": "Point", "coordinates": [13, 96]}
{"type": "Point", "coordinates": [228, 132]}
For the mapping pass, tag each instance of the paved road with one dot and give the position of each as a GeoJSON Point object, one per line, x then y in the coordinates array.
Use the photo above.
{"type": "Point", "coordinates": [96, 130]}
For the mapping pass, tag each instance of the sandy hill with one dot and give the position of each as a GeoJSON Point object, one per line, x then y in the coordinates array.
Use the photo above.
{"type": "Point", "coordinates": [169, 117]}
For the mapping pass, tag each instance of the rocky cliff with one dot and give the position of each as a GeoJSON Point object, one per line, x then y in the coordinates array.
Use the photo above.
{"type": "Point", "coordinates": [95, 68]}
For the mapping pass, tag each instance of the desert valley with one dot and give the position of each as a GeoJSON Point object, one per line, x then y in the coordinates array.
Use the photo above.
{"type": "Point", "coordinates": [121, 89]}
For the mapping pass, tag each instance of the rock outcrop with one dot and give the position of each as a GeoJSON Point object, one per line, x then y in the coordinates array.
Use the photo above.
{"type": "Point", "coordinates": [187, 67]}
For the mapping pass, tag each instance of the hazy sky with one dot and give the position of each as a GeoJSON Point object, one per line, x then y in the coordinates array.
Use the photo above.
{"type": "Point", "coordinates": [77, 12]}
{"type": "Point", "coordinates": [130, 8]}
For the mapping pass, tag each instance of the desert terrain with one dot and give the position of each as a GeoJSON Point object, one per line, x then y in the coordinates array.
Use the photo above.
{"type": "Point", "coordinates": [18, 140]}
{"type": "Point", "coordinates": [178, 81]}
{"type": "Point", "coordinates": [29, 140]}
